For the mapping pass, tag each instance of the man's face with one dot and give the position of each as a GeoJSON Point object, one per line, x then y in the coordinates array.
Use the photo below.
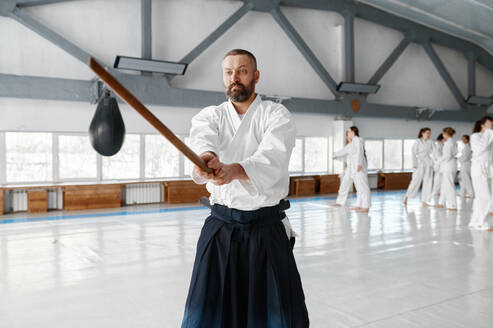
{"type": "Point", "coordinates": [239, 77]}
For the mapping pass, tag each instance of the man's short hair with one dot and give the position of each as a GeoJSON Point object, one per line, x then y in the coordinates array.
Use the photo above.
{"type": "Point", "coordinates": [235, 52]}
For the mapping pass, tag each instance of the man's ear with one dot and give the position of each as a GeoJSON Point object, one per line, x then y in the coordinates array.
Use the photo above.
{"type": "Point", "coordinates": [257, 76]}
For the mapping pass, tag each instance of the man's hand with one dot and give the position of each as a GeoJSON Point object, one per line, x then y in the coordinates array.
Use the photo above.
{"type": "Point", "coordinates": [227, 173]}
{"type": "Point", "coordinates": [207, 157]}
{"type": "Point", "coordinates": [359, 168]}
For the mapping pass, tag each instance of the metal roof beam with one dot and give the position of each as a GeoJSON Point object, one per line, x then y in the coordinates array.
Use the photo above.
{"type": "Point", "coordinates": [305, 50]}
{"type": "Point", "coordinates": [442, 70]}
{"type": "Point", "coordinates": [391, 59]}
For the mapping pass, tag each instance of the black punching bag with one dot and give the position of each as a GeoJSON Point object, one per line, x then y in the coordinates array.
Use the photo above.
{"type": "Point", "coordinates": [107, 129]}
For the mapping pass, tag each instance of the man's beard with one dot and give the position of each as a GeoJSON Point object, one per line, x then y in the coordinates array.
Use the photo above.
{"type": "Point", "coordinates": [242, 94]}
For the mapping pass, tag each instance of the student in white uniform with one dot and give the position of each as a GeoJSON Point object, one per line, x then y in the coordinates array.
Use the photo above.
{"type": "Point", "coordinates": [448, 169]}
{"type": "Point", "coordinates": [358, 168]}
{"type": "Point", "coordinates": [481, 141]}
{"type": "Point", "coordinates": [244, 274]}
{"type": "Point", "coordinates": [423, 168]}
{"type": "Point", "coordinates": [437, 175]}
{"type": "Point", "coordinates": [465, 169]}
{"type": "Point", "coordinates": [346, 182]}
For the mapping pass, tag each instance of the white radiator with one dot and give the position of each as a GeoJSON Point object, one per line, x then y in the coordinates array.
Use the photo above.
{"type": "Point", "coordinates": [55, 199]}
{"type": "Point", "coordinates": [144, 193]}
{"type": "Point", "coordinates": [18, 200]}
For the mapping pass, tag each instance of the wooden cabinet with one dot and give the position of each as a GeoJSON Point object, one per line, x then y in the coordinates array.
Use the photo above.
{"type": "Point", "coordinates": [304, 186]}
{"type": "Point", "coordinates": [394, 180]}
{"type": "Point", "coordinates": [37, 201]}
{"type": "Point", "coordinates": [92, 196]}
{"type": "Point", "coordinates": [183, 191]}
{"type": "Point", "coordinates": [329, 183]}
{"type": "Point", "coordinates": [1, 201]}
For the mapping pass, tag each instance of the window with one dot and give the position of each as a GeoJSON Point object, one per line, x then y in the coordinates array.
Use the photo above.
{"type": "Point", "coordinates": [316, 154]}
{"type": "Point", "coordinates": [296, 161]}
{"type": "Point", "coordinates": [29, 157]}
{"type": "Point", "coordinates": [126, 163]}
{"type": "Point", "coordinates": [393, 154]}
{"type": "Point", "coordinates": [162, 159]}
{"type": "Point", "coordinates": [77, 158]}
{"type": "Point", "coordinates": [408, 156]}
{"type": "Point", "coordinates": [373, 149]}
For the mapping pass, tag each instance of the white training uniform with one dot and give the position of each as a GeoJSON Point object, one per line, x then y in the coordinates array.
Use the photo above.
{"type": "Point", "coordinates": [356, 156]}
{"type": "Point", "coordinates": [437, 177]}
{"type": "Point", "coordinates": [423, 170]}
{"type": "Point", "coordinates": [448, 168]}
{"type": "Point", "coordinates": [480, 146]}
{"type": "Point", "coordinates": [261, 142]}
{"type": "Point", "coordinates": [346, 182]}
{"type": "Point", "coordinates": [465, 171]}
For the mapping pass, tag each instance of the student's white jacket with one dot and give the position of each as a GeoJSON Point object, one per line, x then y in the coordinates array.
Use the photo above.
{"type": "Point", "coordinates": [447, 162]}
{"type": "Point", "coordinates": [466, 154]}
{"type": "Point", "coordinates": [355, 153]}
{"type": "Point", "coordinates": [437, 153]}
{"type": "Point", "coordinates": [422, 151]}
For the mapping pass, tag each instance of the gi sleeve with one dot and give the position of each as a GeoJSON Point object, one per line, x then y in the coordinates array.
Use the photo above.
{"type": "Point", "coordinates": [269, 164]}
{"type": "Point", "coordinates": [342, 153]}
{"type": "Point", "coordinates": [204, 136]}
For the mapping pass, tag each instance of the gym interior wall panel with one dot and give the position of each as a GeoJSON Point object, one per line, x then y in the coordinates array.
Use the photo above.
{"type": "Point", "coordinates": [381, 128]}
{"type": "Point", "coordinates": [178, 26]}
{"type": "Point", "coordinates": [373, 43]}
{"type": "Point", "coordinates": [30, 54]}
{"type": "Point", "coordinates": [103, 28]}
{"type": "Point", "coordinates": [283, 69]}
{"type": "Point", "coordinates": [484, 81]}
{"type": "Point", "coordinates": [413, 80]}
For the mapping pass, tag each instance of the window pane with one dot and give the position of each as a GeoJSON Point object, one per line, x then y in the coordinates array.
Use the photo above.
{"type": "Point", "coordinates": [408, 156]}
{"type": "Point", "coordinates": [162, 159]}
{"type": "Point", "coordinates": [77, 158]}
{"type": "Point", "coordinates": [316, 154]}
{"type": "Point", "coordinates": [29, 157]}
{"type": "Point", "coordinates": [373, 149]}
{"type": "Point", "coordinates": [126, 163]}
{"type": "Point", "coordinates": [296, 161]}
{"type": "Point", "coordinates": [393, 154]}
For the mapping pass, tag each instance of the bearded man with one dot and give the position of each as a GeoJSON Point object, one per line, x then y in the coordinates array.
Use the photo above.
{"type": "Point", "coordinates": [245, 274]}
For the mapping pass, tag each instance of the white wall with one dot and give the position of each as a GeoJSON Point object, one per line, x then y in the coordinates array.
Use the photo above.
{"type": "Point", "coordinates": [107, 28]}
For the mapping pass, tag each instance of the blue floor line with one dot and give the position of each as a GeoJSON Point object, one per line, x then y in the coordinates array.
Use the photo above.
{"type": "Point", "coordinates": [162, 210]}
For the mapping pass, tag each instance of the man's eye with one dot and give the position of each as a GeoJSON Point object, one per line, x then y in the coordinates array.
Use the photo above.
{"type": "Point", "coordinates": [243, 71]}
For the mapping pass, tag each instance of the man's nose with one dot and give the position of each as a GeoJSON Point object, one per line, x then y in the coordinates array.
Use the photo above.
{"type": "Point", "coordinates": [235, 77]}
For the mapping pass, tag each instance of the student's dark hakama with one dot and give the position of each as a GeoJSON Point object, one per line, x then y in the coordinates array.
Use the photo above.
{"type": "Point", "coordinates": [244, 274]}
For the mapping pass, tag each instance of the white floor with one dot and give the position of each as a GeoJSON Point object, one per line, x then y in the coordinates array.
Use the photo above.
{"type": "Point", "coordinates": [131, 267]}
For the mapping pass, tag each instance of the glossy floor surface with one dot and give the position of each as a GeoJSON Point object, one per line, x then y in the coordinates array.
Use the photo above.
{"type": "Point", "coordinates": [393, 267]}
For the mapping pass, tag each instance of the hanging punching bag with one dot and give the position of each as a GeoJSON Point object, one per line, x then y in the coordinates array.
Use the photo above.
{"type": "Point", "coordinates": [107, 129]}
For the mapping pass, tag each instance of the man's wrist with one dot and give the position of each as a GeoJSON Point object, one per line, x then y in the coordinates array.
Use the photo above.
{"type": "Point", "coordinates": [239, 172]}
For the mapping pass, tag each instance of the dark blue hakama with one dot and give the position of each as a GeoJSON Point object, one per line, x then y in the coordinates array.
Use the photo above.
{"type": "Point", "coordinates": [245, 274]}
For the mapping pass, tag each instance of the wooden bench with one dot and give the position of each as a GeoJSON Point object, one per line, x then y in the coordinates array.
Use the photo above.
{"type": "Point", "coordinates": [304, 186]}
{"type": "Point", "coordinates": [394, 180]}
{"type": "Point", "coordinates": [92, 196]}
{"type": "Point", "coordinates": [328, 184]}
{"type": "Point", "coordinates": [183, 191]}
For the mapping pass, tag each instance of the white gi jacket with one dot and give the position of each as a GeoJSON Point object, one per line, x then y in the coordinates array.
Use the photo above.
{"type": "Point", "coordinates": [447, 161]}
{"type": "Point", "coordinates": [421, 153]}
{"type": "Point", "coordinates": [466, 154]}
{"type": "Point", "coordinates": [437, 153]}
{"type": "Point", "coordinates": [355, 153]}
{"type": "Point", "coordinates": [261, 143]}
